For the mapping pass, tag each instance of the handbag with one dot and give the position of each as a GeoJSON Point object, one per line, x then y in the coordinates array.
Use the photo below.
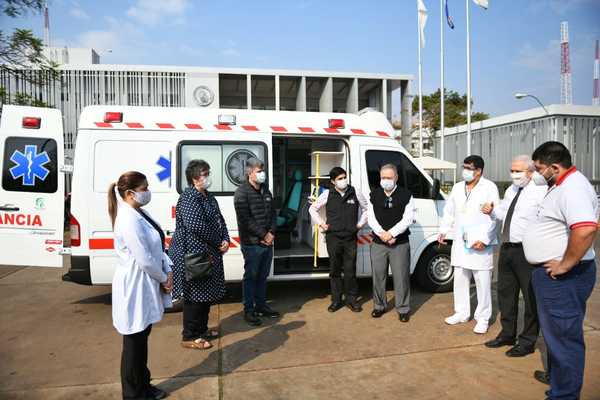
{"type": "Point", "coordinates": [198, 266]}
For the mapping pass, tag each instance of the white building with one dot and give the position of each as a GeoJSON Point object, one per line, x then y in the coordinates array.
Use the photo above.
{"type": "Point", "coordinates": [90, 83]}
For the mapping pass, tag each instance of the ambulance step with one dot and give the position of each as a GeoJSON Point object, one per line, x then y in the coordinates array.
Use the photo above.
{"type": "Point", "coordinates": [299, 265]}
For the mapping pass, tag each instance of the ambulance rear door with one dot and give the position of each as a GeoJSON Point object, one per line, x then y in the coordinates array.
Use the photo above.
{"type": "Point", "coordinates": [32, 191]}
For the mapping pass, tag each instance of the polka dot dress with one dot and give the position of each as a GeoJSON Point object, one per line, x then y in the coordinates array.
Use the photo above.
{"type": "Point", "coordinates": [200, 227]}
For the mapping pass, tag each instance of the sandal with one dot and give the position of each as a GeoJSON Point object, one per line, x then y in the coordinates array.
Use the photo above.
{"type": "Point", "coordinates": [197, 344]}
{"type": "Point", "coordinates": [210, 334]}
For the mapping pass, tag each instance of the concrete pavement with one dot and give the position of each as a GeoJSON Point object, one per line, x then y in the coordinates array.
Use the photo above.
{"type": "Point", "coordinates": [57, 342]}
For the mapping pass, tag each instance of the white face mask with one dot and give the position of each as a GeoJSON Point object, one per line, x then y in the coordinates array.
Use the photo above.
{"type": "Point", "coordinates": [261, 177]}
{"type": "Point", "coordinates": [519, 179]}
{"type": "Point", "coordinates": [539, 179]}
{"type": "Point", "coordinates": [142, 198]}
{"type": "Point", "coordinates": [341, 184]}
{"type": "Point", "coordinates": [387, 184]}
{"type": "Point", "coordinates": [206, 182]}
{"type": "Point", "coordinates": [468, 175]}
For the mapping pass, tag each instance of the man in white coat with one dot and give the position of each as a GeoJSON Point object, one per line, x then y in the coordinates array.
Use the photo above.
{"type": "Point", "coordinates": [473, 234]}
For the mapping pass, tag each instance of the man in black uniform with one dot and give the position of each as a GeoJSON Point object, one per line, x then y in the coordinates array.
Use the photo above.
{"type": "Point", "coordinates": [391, 211]}
{"type": "Point", "coordinates": [344, 207]}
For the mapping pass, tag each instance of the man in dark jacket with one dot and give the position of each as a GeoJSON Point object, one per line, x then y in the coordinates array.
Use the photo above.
{"type": "Point", "coordinates": [391, 211]}
{"type": "Point", "coordinates": [343, 207]}
{"type": "Point", "coordinates": [256, 225]}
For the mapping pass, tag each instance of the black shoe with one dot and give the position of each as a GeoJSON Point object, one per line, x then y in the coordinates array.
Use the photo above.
{"type": "Point", "coordinates": [377, 313]}
{"type": "Point", "coordinates": [267, 312]}
{"type": "Point", "coordinates": [404, 317]}
{"type": "Point", "coordinates": [499, 342]}
{"type": "Point", "coordinates": [519, 351]}
{"type": "Point", "coordinates": [542, 376]}
{"type": "Point", "coordinates": [333, 307]}
{"type": "Point", "coordinates": [354, 306]}
{"type": "Point", "coordinates": [156, 393]}
{"type": "Point", "coordinates": [251, 318]}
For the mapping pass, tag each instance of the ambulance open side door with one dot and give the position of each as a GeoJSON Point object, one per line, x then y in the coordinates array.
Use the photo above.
{"type": "Point", "coordinates": [32, 193]}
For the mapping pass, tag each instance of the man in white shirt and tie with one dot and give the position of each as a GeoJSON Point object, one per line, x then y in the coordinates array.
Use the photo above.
{"type": "Point", "coordinates": [518, 210]}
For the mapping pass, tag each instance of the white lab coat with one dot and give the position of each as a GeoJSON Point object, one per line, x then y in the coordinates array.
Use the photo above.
{"type": "Point", "coordinates": [137, 300]}
{"type": "Point", "coordinates": [460, 213]}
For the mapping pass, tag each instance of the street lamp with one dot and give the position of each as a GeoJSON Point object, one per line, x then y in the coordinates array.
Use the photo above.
{"type": "Point", "coordinates": [520, 96]}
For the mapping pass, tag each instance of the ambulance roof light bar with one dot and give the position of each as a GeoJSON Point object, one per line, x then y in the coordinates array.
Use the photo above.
{"type": "Point", "coordinates": [31, 122]}
{"type": "Point", "coordinates": [226, 119]}
{"type": "Point", "coordinates": [113, 117]}
{"type": "Point", "coordinates": [336, 123]}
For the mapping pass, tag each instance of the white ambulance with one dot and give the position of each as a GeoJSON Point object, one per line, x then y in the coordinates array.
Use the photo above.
{"type": "Point", "coordinates": [298, 148]}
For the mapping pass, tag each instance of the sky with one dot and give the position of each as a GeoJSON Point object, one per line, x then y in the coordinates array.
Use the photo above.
{"type": "Point", "coordinates": [515, 43]}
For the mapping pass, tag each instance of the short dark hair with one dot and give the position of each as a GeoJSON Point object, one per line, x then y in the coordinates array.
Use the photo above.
{"type": "Point", "coordinates": [553, 153]}
{"type": "Point", "coordinates": [476, 160]}
{"type": "Point", "coordinates": [194, 169]}
{"type": "Point", "coordinates": [335, 172]}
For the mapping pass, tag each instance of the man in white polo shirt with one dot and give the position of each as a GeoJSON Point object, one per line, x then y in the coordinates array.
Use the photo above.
{"type": "Point", "coordinates": [560, 244]}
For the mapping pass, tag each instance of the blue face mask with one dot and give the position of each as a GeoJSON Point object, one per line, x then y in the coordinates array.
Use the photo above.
{"type": "Point", "coordinates": [142, 198]}
{"type": "Point", "coordinates": [468, 175]}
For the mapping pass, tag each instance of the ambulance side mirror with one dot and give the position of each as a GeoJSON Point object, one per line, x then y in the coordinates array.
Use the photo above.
{"type": "Point", "coordinates": [435, 189]}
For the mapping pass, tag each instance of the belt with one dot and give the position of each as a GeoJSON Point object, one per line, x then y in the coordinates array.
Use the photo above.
{"type": "Point", "coordinates": [509, 244]}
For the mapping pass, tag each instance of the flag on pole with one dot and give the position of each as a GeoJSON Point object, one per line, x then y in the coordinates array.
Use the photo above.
{"type": "Point", "coordinates": [422, 21]}
{"type": "Point", "coordinates": [448, 17]}
{"type": "Point", "coordinates": [482, 3]}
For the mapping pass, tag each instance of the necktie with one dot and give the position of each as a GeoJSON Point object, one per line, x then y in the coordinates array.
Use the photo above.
{"type": "Point", "coordinates": [507, 220]}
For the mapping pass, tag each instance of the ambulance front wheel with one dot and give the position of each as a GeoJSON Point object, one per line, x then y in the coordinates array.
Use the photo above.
{"type": "Point", "coordinates": [434, 273]}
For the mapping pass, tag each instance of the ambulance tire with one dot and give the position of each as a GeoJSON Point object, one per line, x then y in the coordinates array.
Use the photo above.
{"type": "Point", "coordinates": [434, 273]}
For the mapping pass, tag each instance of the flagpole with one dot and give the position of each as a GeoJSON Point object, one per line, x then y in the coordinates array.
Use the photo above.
{"type": "Point", "coordinates": [442, 90]}
{"type": "Point", "coordinates": [468, 80]}
{"type": "Point", "coordinates": [420, 90]}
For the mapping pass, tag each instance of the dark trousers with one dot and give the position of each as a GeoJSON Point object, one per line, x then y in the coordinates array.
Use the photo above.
{"type": "Point", "coordinates": [135, 375]}
{"type": "Point", "coordinates": [342, 259]}
{"type": "Point", "coordinates": [561, 309]}
{"type": "Point", "coordinates": [257, 265]}
{"type": "Point", "coordinates": [195, 319]}
{"type": "Point", "coordinates": [514, 276]}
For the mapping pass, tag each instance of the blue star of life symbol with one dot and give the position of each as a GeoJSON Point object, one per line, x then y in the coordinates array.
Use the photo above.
{"type": "Point", "coordinates": [29, 165]}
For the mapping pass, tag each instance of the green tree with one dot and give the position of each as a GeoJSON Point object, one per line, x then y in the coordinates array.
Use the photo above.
{"type": "Point", "coordinates": [455, 110]}
{"type": "Point", "coordinates": [22, 54]}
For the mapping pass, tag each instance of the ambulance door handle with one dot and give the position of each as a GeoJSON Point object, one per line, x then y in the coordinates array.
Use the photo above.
{"type": "Point", "coordinates": [9, 207]}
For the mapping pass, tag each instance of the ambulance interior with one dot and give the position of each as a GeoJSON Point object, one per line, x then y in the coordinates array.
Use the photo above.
{"type": "Point", "coordinates": [300, 173]}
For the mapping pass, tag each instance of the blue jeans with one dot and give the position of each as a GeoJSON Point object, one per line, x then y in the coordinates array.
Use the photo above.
{"type": "Point", "coordinates": [561, 309]}
{"type": "Point", "coordinates": [257, 265]}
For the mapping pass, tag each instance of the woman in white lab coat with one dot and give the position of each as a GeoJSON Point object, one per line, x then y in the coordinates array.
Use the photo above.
{"type": "Point", "coordinates": [474, 235]}
{"type": "Point", "coordinates": [142, 282]}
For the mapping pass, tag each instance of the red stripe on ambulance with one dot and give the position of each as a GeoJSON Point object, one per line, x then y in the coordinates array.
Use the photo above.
{"type": "Point", "coordinates": [193, 126]}
{"type": "Point", "coordinates": [165, 125]}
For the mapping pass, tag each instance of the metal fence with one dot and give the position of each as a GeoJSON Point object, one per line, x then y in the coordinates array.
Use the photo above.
{"type": "Point", "coordinates": [499, 144]}
{"type": "Point", "coordinates": [75, 89]}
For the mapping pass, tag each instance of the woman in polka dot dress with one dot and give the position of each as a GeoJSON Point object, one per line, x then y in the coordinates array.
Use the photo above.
{"type": "Point", "coordinates": [200, 227]}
